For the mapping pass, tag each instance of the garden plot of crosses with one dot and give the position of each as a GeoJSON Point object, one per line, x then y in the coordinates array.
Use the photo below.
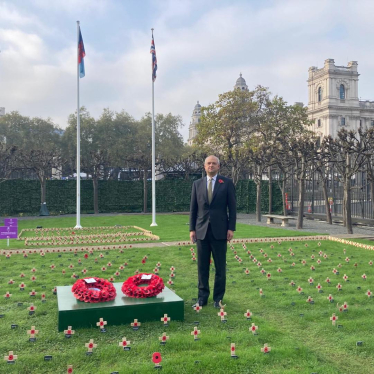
{"type": "Point", "coordinates": [284, 320]}
{"type": "Point", "coordinates": [89, 235]}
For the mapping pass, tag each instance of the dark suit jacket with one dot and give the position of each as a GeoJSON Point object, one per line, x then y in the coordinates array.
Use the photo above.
{"type": "Point", "coordinates": [221, 213]}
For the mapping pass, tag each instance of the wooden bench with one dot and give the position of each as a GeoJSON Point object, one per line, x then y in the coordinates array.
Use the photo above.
{"type": "Point", "coordinates": [285, 219]}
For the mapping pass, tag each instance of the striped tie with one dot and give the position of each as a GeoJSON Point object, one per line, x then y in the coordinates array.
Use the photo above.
{"type": "Point", "coordinates": [210, 191]}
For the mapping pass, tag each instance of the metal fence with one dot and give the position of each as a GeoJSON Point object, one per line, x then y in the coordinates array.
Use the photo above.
{"type": "Point", "coordinates": [314, 203]}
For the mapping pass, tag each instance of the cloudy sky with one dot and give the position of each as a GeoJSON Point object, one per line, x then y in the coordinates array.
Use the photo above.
{"type": "Point", "coordinates": [202, 46]}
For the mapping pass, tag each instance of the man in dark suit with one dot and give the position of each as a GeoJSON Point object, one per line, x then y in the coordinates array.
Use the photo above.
{"type": "Point", "coordinates": [212, 225]}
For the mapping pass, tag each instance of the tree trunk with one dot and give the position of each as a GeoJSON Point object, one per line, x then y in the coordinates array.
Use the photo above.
{"type": "Point", "coordinates": [95, 183]}
{"type": "Point", "coordinates": [347, 198]}
{"type": "Point", "coordinates": [326, 198]}
{"type": "Point", "coordinates": [284, 197]}
{"type": "Point", "coordinates": [270, 191]}
{"type": "Point", "coordinates": [43, 187]}
{"type": "Point", "coordinates": [344, 212]}
{"type": "Point", "coordinates": [300, 210]}
{"type": "Point", "coordinates": [145, 193]}
{"type": "Point", "coordinates": [258, 200]}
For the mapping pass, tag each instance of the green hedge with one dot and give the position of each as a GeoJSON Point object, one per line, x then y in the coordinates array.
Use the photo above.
{"type": "Point", "coordinates": [20, 196]}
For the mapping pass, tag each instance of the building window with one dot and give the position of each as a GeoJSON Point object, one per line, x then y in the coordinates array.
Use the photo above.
{"type": "Point", "coordinates": [319, 94]}
{"type": "Point", "coordinates": [342, 92]}
{"type": "Point", "coordinates": [319, 123]}
{"type": "Point", "coordinates": [342, 121]}
{"type": "Point", "coordinates": [198, 121]}
{"type": "Point", "coordinates": [372, 123]}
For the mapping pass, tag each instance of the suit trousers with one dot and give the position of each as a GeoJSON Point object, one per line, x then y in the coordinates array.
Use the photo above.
{"type": "Point", "coordinates": [218, 248]}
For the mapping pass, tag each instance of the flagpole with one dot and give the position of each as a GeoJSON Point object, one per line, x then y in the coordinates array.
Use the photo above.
{"type": "Point", "coordinates": [153, 152]}
{"type": "Point", "coordinates": [78, 223]}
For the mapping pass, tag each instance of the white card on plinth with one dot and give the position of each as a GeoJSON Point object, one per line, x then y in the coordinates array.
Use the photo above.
{"type": "Point", "coordinates": [90, 280]}
{"type": "Point", "coordinates": [146, 276]}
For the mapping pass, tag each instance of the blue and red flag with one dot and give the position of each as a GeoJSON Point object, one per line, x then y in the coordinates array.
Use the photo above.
{"type": "Point", "coordinates": [81, 54]}
{"type": "Point", "coordinates": [154, 59]}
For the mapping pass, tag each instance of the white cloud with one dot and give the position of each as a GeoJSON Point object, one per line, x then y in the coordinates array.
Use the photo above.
{"type": "Point", "coordinates": [201, 49]}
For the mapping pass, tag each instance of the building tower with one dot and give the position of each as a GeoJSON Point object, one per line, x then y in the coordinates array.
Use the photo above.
{"type": "Point", "coordinates": [195, 119]}
{"type": "Point", "coordinates": [240, 84]}
{"type": "Point", "coordinates": [333, 101]}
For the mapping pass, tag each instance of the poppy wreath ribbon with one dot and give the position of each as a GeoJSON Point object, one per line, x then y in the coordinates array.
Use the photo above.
{"type": "Point", "coordinates": [131, 287]}
{"type": "Point", "coordinates": [100, 291]}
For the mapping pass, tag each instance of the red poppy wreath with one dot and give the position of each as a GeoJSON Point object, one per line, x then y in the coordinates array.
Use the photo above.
{"type": "Point", "coordinates": [131, 287]}
{"type": "Point", "coordinates": [95, 292]}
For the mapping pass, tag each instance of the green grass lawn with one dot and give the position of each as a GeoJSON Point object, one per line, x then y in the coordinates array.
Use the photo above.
{"type": "Point", "coordinates": [301, 335]}
{"type": "Point", "coordinates": [173, 227]}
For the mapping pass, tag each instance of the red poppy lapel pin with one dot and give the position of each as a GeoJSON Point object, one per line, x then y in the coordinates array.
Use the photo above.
{"type": "Point", "coordinates": [220, 181]}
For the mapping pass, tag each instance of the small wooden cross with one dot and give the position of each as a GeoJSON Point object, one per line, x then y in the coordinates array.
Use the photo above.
{"type": "Point", "coordinates": [246, 271]}
{"type": "Point", "coordinates": [11, 357]}
{"type": "Point", "coordinates": [31, 309]}
{"type": "Point", "coordinates": [330, 298]}
{"type": "Point", "coordinates": [333, 319]}
{"type": "Point", "coordinates": [155, 270]}
{"type": "Point", "coordinates": [32, 293]}
{"type": "Point", "coordinates": [32, 332]}
{"type": "Point", "coordinates": [369, 294]}
{"type": "Point", "coordinates": [158, 264]}
{"type": "Point", "coordinates": [253, 329]}
{"type": "Point", "coordinates": [197, 307]}
{"type": "Point", "coordinates": [124, 343]}
{"type": "Point", "coordinates": [69, 369]}
{"type": "Point", "coordinates": [69, 331]}
{"type": "Point", "coordinates": [345, 277]}
{"type": "Point", "coordinates": [232, 349]}
{"type": "Point", "coordinates": [222, 314]}
{"type": "Point", "coordinates": [7, 295]}
{"type": "Point", "coordinates": [90, 345]}
{"type": "Point", "coordinates": [135, 324]}
{"type": "Point", "coordinates": [22, 286]}
{"type": "Point", "coordinates": [163, 338]}
{"type": "Point", "coordinates": [170, 282]}
{"type": "Point", "coordinates": [165, 319]}
{"type": "Point", "coordinates": [248, 314]}
{"type": "Point", "coordinates": [172, 269]}
{"type": "Point", "coordinates": [299, 289]}
{"type": "Point", "coordinates": [195, 333]}
{"type": "Point", "coordinates": [309, 299]}
{"type": "Point", "coordinates": [261, 292]}
{"type": "Point", "coordinates": [266, 348]}
{"type": "Point", "coordinates": [101, 323]}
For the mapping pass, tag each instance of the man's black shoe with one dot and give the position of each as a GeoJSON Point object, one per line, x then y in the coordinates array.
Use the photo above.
{"type": "Point", "coordinates": [200, 302]}
{"type": "Point", "coordinates": [217, 304]}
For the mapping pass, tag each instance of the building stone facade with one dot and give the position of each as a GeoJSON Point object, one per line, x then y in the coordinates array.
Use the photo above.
{"type": "Point", "coordinates": [333, 101]}
{"type": "Point", "coordinates": [196, 113]}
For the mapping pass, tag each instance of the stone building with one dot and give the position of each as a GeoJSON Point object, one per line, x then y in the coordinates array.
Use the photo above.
{"type": "Point", "coordinates": [196, 113]}
{"type": "Point", "coordinates": [333, 101]}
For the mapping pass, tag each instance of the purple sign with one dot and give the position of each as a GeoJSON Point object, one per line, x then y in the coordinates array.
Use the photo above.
{"type": "Point", "coordinates": [9, 231]}
{"type": "Point", "coordinates": [10, 222]}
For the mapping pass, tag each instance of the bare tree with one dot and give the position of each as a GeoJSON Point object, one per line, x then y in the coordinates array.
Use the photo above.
{"type": "Point", "coordinates": [346, 152]}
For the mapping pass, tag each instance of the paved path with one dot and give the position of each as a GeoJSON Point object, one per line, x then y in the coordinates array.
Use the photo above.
{"type": "Point", "coordinates": [313, 226]}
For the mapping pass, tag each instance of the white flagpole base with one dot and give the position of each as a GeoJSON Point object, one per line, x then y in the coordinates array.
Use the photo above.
{"type": "Point", "coordinates": [78, 227]}
{"type": "Point", "coordinates": [154, 224]}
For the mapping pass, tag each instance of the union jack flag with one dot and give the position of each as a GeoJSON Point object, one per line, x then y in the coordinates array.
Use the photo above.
{"type": "Point", "coordinates": [154, 59]}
